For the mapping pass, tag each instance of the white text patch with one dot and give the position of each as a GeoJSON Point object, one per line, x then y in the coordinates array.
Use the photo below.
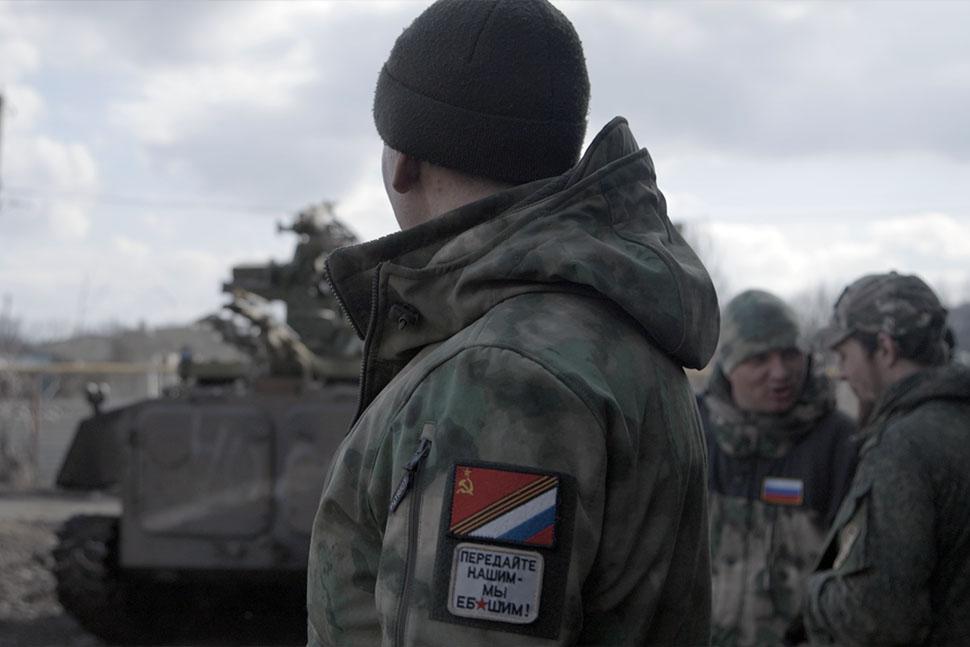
{"type": "Point", "coordinates": [492, 583]}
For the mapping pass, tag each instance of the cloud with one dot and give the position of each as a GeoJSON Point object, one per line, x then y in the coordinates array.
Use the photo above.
{"type": "Point", "coordinates": [933, 236]}
{"type": "Point", "coordinates": [793, 257]}
{"type": "Point", "coordinates": [23, 106]}
{"type": "Point", "coordinates": [130, 279]}
{"type": "Point", "coordinates": [17, 57]}
{"type": "Point", "coordinates": [686, 206]}
{"type": "Point", "coordinates": [50, 164]}
{"type": "Point", "coordinates": [768, 121]}
{"type": "Point", "coordinates": [132, 250]}
{"type": "Point", "coordinates": [66, 175]}
{"type": "Point", "coordinates": [67, 220]}
{"type": "Point", "coordinates": [784, 80]}
{"type": "Point", "coordinates": [175, 104]}
{"type": "Point", "coordinates": [268, 103]}
{"type": "Point", "coordinates": [65, 165]}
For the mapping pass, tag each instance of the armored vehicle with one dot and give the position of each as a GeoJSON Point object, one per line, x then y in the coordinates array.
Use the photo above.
{"type": "Point", "coordinates": [218, 480]}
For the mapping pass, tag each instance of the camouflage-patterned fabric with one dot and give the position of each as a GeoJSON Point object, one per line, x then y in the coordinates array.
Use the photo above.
{"type": "Point", "coordinates": [893, 303]}
{"type": "Point", "coordinates": [896, 567]}
{"type": "Point", "coordinates": [763, 546]}
{"type": "Point", "coordinates": [543, 328]}
{"type": "Point", "coordinates": [755, 322]}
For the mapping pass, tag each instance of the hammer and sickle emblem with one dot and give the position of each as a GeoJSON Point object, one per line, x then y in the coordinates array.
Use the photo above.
{"type": "Point", "coordinates": [465, 485]}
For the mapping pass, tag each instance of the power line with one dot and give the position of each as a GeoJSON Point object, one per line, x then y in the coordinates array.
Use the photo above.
{"type": "Point", "coordinates": [29, 193]}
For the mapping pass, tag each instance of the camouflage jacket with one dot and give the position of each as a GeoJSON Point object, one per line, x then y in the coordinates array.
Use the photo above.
{"type": "Point", "coordinates": [896, 567]}
{"type": "Point", "coordinates": [776, 482]}
{"type": "Point", "coordinates": [528, 462]}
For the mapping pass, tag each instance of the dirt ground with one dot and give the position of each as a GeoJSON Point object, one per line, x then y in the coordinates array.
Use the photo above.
{"type": "Point", "coordinates": [30, 615]}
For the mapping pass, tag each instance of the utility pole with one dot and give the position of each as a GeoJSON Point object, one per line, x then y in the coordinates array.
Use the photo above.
{"type": "Point", "coordinates": [1, 152]}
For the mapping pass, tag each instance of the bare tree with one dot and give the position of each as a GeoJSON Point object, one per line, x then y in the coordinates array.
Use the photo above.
{"type": "Point", "coordinates": [813, 306]}
{"type": "Point", "coordinates": [11, 341]}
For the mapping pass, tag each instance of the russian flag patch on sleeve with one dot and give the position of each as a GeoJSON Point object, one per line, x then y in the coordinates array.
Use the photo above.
{"type": "Point", "coordinates": [783, 491]}
{"type": "Point", "coordinates": [504, 505]}
{"type": "Point", "coordinates": [504, 548]}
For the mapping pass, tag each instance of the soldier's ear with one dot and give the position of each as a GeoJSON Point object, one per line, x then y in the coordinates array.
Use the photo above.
{"type": "Point", "coordinates": [406, 172]}
{"type": "Point", "coordinates": [887, 350]}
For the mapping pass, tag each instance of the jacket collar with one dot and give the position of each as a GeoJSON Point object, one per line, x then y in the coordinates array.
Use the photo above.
{"type": "Point", "coordinates": [600, 229]}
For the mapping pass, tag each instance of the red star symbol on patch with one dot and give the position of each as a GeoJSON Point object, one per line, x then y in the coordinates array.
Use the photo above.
{"type": "Point", "coordinates": [481, 603]}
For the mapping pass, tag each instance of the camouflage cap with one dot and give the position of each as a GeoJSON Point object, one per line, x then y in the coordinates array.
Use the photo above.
{"type": "Point", "coordinates": [896, 304]}
{"type": "Point", "coordinates": [755, 322]}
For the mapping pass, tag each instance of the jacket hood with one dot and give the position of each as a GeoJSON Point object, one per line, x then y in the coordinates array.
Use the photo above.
{"type": "Point", "coordinates": [600, 229]}
{"type": "Point", "coordinates": [950, 382]}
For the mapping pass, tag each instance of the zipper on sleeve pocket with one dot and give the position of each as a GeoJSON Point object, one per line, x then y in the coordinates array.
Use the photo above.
{"type": "Point", "coordinates": [408, 481]}
{"type": "Point", "coordinates": [410, 472]}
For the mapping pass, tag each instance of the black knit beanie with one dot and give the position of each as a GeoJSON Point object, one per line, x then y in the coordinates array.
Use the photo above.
{"type": "Point", "coordinates": [493, 88]}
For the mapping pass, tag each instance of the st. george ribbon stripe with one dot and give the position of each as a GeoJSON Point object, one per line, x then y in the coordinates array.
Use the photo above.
{"type": "Point", "coordinates": [504, 504]}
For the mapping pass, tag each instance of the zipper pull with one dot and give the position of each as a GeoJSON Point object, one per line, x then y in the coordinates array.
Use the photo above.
{"type": "Point", "coordinates": [410, 469]}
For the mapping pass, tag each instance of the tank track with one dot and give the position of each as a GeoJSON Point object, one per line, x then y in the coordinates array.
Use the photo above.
{"type": "Point", "coordinates": [89, 583]}
{"type": "Point", "coordinates": [94, 589]}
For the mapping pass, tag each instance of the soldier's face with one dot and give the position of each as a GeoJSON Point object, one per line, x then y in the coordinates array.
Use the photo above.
{"type": "Point", "coordinates": [859, 368]}
{"type": "Point", "coordinates": [769, 382]}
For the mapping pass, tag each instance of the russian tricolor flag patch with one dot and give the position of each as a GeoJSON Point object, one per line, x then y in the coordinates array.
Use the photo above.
{"type": "Point", "coordinates": [504, 505]}
{"type": "Point", "coordinates": [783, 491]}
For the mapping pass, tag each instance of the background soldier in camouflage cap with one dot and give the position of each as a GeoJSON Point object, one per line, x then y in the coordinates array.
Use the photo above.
{"type": "Point", "coordinates": [781, 460]}
{"type": "Point", "coordinates": [527, 466]}
{"type": "Point", "coordinates": [896, 568]}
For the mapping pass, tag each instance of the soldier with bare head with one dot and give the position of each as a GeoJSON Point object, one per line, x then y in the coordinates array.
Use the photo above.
{"type": "Point", "coordinates": [781, 460]}
{"type": "Point", "coordinates": [896, 569]}
{"type": "Point", "coordinates": [527, 465]}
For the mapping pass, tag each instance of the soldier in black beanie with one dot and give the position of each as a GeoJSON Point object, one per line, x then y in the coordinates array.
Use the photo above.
{"type": "Point", "coordinates": [488, 94]}
{"type": "Point", "coordinates": [527, 465]}
{"type": "Point", "coordinates": [493, 89]}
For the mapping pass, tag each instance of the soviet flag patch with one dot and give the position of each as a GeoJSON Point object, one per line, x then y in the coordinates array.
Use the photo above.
{"type": "Point", "coordinates": [504, 505]}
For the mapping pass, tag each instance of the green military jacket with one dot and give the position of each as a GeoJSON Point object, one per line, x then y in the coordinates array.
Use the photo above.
{"type": "Point", "coordinates": [528, 465]}
{"type": "Point", "coordinates": [896, 568]}
{"type": "Point", "coordinates": [776, 482]}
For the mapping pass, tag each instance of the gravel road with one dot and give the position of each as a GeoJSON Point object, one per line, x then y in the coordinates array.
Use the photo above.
{"type": "Point", "coordinates": [30, 615]}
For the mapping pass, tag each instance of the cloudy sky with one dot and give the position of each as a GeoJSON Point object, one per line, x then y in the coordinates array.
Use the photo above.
{"type": "Point", "coordinates": [147, 147]}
